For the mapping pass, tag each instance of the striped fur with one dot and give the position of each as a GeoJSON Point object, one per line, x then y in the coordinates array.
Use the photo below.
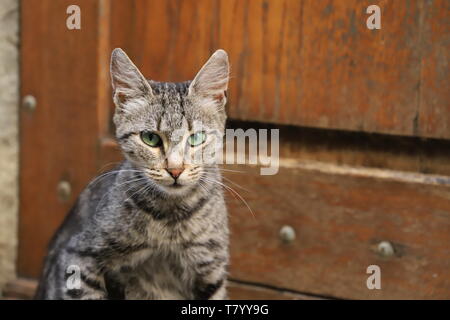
{"type": "Point", "coordinates": [134, 233]}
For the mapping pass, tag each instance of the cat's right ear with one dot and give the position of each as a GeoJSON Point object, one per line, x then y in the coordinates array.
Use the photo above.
{"type": "Point", "coordinates": [127, 81]}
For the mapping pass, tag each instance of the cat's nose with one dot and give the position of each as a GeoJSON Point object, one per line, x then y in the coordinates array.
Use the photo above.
{"type": "Point", "coordinates": [175, 173]}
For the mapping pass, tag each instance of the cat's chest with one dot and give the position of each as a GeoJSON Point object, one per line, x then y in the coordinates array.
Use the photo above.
{"type": "Point", "coordinates": [158, 275]}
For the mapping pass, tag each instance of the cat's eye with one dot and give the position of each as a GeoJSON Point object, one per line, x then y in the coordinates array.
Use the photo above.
{"type": "Point", "coordinates": [151, 139]}
{"type": "Point", "coordinates": [197, 138]}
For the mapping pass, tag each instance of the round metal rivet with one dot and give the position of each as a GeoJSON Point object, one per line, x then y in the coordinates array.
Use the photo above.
{"type": "Point", "coordinates": [64, 190]}
{"type": "Point", "coordinates": [287, 234]}
{"type": "Point", "coordinates": [385, 249]}
{"type": "Point", "coordinates": [29, 102]}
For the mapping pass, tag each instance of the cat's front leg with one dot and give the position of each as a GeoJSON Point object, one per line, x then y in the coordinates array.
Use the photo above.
{"type": "Point", "coordinates": [210, 288]}
{"type": "Point", "coordinates": [83, 279]}
{"type": "Point", "coordinates": [211, 279]}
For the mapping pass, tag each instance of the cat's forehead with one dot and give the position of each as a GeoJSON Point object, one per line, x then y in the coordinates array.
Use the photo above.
{"type": "Point", "coordinates": [171, 100]}
{"type": "Point", "coordinates": [170, 110]}
{"type": "Point", "coordinates": [169, 89]}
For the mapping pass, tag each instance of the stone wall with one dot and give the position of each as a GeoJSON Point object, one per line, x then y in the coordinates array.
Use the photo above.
{"type": "Point", "coordinates": [9, 149]}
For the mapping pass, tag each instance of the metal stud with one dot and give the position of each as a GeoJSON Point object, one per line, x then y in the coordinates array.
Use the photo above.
{"type": "Point", "coordinates": [385, 249]}
{"type": "Point", "coordinates": [287, 234]}
{"type": "Point", "coordinates": [64, 190]}
{"type": "Point", "coordinates": [29, 102]}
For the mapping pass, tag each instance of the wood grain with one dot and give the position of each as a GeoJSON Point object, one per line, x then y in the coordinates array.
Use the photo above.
{"type": "Point", "coordinates": [20, 289]}
{"type": "Point", "coordinates": [239, 291]}
{"type": "Point", "coordinates": [356, 78]}
{"type": "Point", "coordinates": [59, 140]}
{"type": "Point", "coordinates": [359, 149]}
{"type": "Point", "coordinates": [434, 113]}
{"type": "Point", "coordinates": [309, 63]}
{"type": "Point", "coordinates": [339, 219]}
{"type": "Point", "coordinates": [305, 63]}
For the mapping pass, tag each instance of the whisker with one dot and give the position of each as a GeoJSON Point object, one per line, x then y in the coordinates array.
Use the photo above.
{"type": "Point", "coordinates": [108, 164]}
{"type": "Point", "coordinates": [104, 175]}
{"type": "Point", "coordinates": [115, 187]}
{"type": "Point", "coordinates": [231, 190]}
{"type": "Point", "coordinates": [143, 188]}
{"type": "Point", "coordinates": [203, 186]}
{"type": "Point", "coordinates": [235, 184]}
{"type": "Point", "coordinates": [221, 169]}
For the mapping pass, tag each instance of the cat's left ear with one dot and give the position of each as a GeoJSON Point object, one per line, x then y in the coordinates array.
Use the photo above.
{"type": "Point", "coordinates": [211, 81]}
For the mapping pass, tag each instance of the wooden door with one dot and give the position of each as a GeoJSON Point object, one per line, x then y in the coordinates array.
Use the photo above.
{"type": "Point", "coordinates": [340, 93]}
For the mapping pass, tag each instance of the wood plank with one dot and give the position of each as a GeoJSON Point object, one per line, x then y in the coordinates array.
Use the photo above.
{"type": "Point", "coordinates": [359, 149]}
{"type": "Point", "coordinates": [340, 214]}
{"type": "Point", "coordinates": [345, 148]}
{"type": "Point", "coordinates": [20, 288]}
{"type": "Point", "coordinates": [66, 72]}
{"type": "Point", "coordinates": [356, 78]}
{"type": "Point", "coordinates": [339, 219]}
{"type": "Point", "coordinates": [434, 113]}
{"type": "Point", "coordinates": [309, 63]}
{"type": "Point", "coordinates": [58, 140]}
{"type": "Point", "coordinates": [340, 227]}
{"type": "Point", "coordinates": [168, 40]}
{"type": "Point", "coordinates": [239, 291]}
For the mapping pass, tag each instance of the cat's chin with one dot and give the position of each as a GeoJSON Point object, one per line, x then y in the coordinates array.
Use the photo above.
{"type": "Point", "coordinates": [176, 189]}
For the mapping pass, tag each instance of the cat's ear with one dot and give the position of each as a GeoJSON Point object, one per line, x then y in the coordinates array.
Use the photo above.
{"type": "Point", "coordinates": [212, 79]}
{"type": "Point", "coordinates": [127, 81]}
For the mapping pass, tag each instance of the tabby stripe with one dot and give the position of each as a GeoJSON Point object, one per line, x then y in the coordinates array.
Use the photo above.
{"type": "Point", "coordinates": [94, 284]}
{"type": "Point", "coordinates": [206, 263]}
{"type": "Point", "coordinates": [126, 136]}
{"type": "Point", "coordinates": [183, 113]}
{"type": "Point", "coordinates": [206, 291]}
{"type": "Point", "coordinates": [85, 253]}
{"type": "Point", "coordinates": [210, 244]}
{"type": "Point", "coordinates": [74, 293]}
{"type": "Point", "coordinates": [114, 289]}
{"type": "Point", "coordinates": [186, 212]}
{"type": "Point", "coordinates": [113, 247]}
{"type": "Point", "coordinates": [126, 269]}
{"type": "Point", "coordinates": [123, 248]}
{"type": "Point", "coordinates": [175, 215]}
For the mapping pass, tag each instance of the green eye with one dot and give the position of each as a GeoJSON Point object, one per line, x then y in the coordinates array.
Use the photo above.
{"type": "Point", "coordinates": [151, 139]}
{"type": "Point", "coordinates": [197, 138]}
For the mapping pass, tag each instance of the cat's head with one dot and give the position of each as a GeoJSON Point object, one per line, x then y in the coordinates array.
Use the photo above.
{"type": "Point", "coordinates": [170, 130]}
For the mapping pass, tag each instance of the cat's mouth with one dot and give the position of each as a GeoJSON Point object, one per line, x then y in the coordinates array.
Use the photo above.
{"type": "Point", "coordinates": [176, 185]}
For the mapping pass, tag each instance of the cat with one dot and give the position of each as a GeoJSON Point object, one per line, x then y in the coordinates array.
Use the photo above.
{"type": "Point", "coordinates": [156, 227]}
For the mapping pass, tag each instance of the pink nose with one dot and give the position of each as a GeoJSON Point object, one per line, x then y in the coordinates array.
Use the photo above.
{"type": "Point", "coordinates": [175, 173]}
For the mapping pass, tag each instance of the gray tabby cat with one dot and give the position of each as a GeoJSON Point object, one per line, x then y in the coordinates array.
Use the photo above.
{"type": "Point", "coordinates": [156, 227]}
